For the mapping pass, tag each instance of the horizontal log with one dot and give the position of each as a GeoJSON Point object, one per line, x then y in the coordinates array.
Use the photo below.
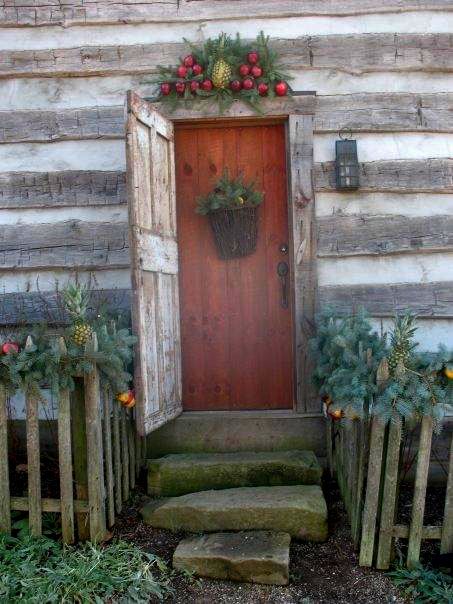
{"type": "Point", "coordinates": [359, 235]}
{"type": "Point", "coordinates": [25, 308]}
{"type": "Point", "coordinates": [84, 188]}
{"type": "Point", "coordinates": [377, 112]}
{"type": "Point", "coordinates": [352, 53]}
{"type": "Point", "coordinates": [401, 531]}
{"type": "Point", "coordinates": [58, 189]}
{"type": "Point", "coordinates": [20, 504]}
{"type": "Point", "coordinates": [16, 13]}
{"type": "Point", "coordinates": [400, 176]}
{"type": "Point", "coordinates": [423, 299]}
{"type": "Point", "coordinates": [63, 124]}
{"type": "Point", "coordinates": [71, 244]}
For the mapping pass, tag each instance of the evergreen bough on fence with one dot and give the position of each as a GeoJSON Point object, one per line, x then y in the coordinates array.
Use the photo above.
{"type": "Point", "coordinates": [348, 378]}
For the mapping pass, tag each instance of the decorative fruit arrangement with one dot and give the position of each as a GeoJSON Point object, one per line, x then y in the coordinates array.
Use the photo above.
{"type": "Point", "coordinates": [76, 298]}
{"type": "Point", "coordinates": [10, 347]}
{"type": "Point", "coordinates": [223, 69]}
{"type": "Point", "coordinates": [127, 399]}
{"type": "Point", "coordinates": [449, 372]}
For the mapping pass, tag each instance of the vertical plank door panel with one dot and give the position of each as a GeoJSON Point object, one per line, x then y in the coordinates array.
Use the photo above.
{"type": "Point", "coordinates": [153, 245]}
{"type": "Point", "coordinates": [237, 346]}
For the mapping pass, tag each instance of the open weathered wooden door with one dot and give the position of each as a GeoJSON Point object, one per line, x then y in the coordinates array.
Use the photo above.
{"type": "Point", "coordinates": [154, 264]}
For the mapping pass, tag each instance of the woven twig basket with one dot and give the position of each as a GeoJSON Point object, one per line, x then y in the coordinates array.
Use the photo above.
{"type": "Point", "coordinates": [235, 231]}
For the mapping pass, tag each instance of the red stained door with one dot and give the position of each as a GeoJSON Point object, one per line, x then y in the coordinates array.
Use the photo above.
{"type": "Point", "coordinates": [237, 342]}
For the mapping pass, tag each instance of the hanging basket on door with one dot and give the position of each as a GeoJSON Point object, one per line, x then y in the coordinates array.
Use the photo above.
{"type": "Point", "coordinates": [232, 209]}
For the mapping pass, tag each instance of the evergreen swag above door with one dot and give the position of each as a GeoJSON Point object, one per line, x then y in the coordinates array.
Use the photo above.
{"type": "Point", "coordinates": [224, 69]}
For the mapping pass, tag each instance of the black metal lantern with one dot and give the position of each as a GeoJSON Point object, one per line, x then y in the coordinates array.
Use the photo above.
{"type": "Point", "coordinates": [346, 164]}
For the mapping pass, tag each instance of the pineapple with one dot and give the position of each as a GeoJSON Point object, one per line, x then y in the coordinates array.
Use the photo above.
{"type": "Point", "coordinates": [401, 342]}
{"type": "Point", "coordinates": [221, 70]}
{"type": "Point", "coordinates": [76, 301]}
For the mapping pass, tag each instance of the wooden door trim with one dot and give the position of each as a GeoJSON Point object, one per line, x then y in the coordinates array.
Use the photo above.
{"type": "Point", "coordinates": [298, 114]}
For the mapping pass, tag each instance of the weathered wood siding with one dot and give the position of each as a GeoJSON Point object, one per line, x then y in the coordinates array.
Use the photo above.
{"type": "Point", "coordinates": [385, 70]}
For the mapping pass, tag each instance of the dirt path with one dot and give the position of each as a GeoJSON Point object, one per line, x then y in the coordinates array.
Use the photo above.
{"type": "Point", "coordinates": [319, 573]}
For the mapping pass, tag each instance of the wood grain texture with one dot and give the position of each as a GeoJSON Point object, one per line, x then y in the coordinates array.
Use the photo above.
{"type": "Point", "coordinates": [446, 545]}
{"type": "Point", "coordinates": [359, 235]}
{"type": "Point", "coordinates": [5, 513]}
{"type": "Point", "coordinates": [95, 451]}
{"type": "Point", "coordinates": [155, 300]}
{"type": "Point", "coordinates": [400, 176]}
{"type": "Point", "coordinates": [84, 188]}
{"type": "Point", "coordinates": [15, 13]}
{"type": "Point", "coordinates": [25, 308]}
{"type": "Point", "coordinates": [419, 496]}
{"type": "Point", "coordinates": [364, 112]}
{"type": "Point", "coordinates": [352, 53]}
{"type": "Point", "coordinates": [34, 466]}
{"type": "Point", "coordinates": [68, 244]}
{"type": "Point", "coordinates": [58, 189]}
{"type": "Point", "coordinates": [302, 216]}
{"type": "Point", "coordinates": [423, 299]}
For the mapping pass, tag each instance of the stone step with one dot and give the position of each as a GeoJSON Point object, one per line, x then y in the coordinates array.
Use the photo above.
{"type": "Point", "coordinates": [187, 473]}
{"type": "Point", "coordinates": [252, 556]}
{"type": "Point", "coordinates": [299, 510]}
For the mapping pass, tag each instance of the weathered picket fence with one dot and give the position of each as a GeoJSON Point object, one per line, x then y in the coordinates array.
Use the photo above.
{"type": "Point", "coordinates": [99, 458]}
{"type": "Point", "coordinates": [365, 456]}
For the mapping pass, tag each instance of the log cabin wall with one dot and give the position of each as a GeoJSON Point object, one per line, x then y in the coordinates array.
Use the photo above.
{"type": "Point", "coordinates": [384, 69]}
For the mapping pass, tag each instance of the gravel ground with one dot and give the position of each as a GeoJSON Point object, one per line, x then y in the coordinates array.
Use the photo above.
{"type": "Point", "coordinates": [319, 573]}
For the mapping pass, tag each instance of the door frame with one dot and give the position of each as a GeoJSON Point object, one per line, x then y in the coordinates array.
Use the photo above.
{"type": "Point", "coordinates": [297, 111]}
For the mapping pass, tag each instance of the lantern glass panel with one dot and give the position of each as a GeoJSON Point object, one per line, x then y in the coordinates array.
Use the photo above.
{"type": "Point", "coordinates": [346, 165]}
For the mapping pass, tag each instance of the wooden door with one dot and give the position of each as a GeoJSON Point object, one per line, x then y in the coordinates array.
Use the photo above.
{"type": "Point", "coordinates": [236, 331]}
{"type": "Point", "coordinates": [154, 263]}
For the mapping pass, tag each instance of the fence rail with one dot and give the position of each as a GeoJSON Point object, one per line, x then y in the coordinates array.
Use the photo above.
{"type": "Point", "coordinates": [365, 455]}
{"type": "Point", "coordinates": [99, 458]}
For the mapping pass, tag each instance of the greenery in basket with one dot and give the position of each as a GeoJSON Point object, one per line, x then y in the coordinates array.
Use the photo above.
{"type": "Point", "coordinates": [419, 384]}
{"type": "Point", "coordinates": [229, 194]}
{"type": "Point", "coordinates": [223, 69]}
{"type": "Point", "coordinates": [45, 357]}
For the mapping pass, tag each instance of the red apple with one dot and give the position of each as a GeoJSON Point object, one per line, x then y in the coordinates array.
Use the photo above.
{"type": "Point", "coordinates": [181, 72]}
{"type": "Point", "coordinates": [235, 85]}
{"type": "Point", "coordinates": [256, 71]}
{"type": "Point", "coordinates": [189, 61]}
{"type": "Point", "coordinates": [263, 89]}
{"type": "Point", "coordinates": [206, 85]}
{"type": "Point", "coordinates": [197, 69]}
{"type": "Point", "coordinates": [194, 85]}
{"type": "Point", "coordinates": [253, 57]}
{"type": "Point", "coordinates": [281, 88]}
{"type": "Point", "coordinates": [9, 347]}
{"type": "Point", "coordinates": [165, 88]}
{"type": "Point", "coordinates": [180, 87]}
{"type": "Point", "coordinates": [248, 84]}
{"type": "Point", "coordinates": [244, 70]}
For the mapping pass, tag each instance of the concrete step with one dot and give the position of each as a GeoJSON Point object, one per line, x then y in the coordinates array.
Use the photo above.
{"type": "Point", "coordinates": [187, 473]}
{"type": "Point", "coordinates": [299, 510]}
{"type": "Point", "coordinates": [252, 556]}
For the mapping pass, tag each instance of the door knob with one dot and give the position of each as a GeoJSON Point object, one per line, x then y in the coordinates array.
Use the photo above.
{"type": "Point", "coordinates": [282, 272]}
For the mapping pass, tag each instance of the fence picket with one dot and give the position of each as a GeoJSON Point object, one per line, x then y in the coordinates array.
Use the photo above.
{"type": "Point", "coordinates": [370, 509]}
{"type": "Point", "coordinates": [79, 446]}
{"type": "Point", "coordinates": [108, 456]}
{"type": "Point", "coordinates": [34, 466]}
{"type": "Point", "coordinates": [96, 499]}
{"type": "Point", "coordinates": [118, 471]}
{"type": "Point", "coordinates": [131, 440]}
{"type": "Point", "coordinates": [124, 455]}
{"type": "Point", "coordinates": [389, 494]}
{"type": "Point", "coordinates": [5, 512]}
{"type": "Point", "coordinates": [446, 544]}
{"type": "Point", "coordinates": [418, 501]}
